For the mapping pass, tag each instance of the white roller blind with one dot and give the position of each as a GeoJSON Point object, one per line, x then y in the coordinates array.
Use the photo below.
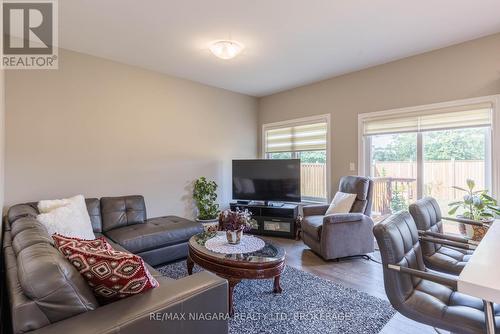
{"type": "Point", "coordinates": [302, 137]}
{"type": "Point", "coordinates": [477, 115]}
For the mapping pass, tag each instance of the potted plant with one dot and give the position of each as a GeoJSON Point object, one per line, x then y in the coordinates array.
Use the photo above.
{"type": "Point", "coordinates": [476, 205]}
{"type": "Point", "coordinates": [205, 196]}
{"type": "Point", "coordinates": [234, 223]}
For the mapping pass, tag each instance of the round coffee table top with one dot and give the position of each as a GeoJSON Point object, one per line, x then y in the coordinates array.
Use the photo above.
{"type": "Point", "coordinates": [268, 262]}
{"type": "Point", "coordinates": [269, 254]}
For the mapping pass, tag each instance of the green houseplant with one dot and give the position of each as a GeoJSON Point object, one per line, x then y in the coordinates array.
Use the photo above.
{"type": "Point", "coordinates": [205, 196]}
{"type": "Point", "coordinates": [476, 205]}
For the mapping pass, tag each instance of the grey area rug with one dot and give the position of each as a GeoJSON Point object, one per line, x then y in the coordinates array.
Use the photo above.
{"type": "Point", "coordinates": [308, 304]}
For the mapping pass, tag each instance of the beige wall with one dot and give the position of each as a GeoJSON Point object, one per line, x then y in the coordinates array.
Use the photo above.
{"type": "Point", "coordinates": [102, 128]}
{"type": "Point", "coordinates": [466, 70]}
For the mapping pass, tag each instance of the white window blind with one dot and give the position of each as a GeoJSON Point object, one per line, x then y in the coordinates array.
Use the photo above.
{"type": "Point", "coordinates": [301, 137]}
{"type": "Point", "coordinates": [477, 115]}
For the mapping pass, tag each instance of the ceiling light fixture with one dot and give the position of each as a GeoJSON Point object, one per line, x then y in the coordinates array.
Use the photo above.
{"type": "Point", "coordinates": [226, 49]}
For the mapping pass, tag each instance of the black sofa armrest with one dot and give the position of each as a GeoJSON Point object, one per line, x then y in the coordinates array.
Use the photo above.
{"type": "Point", "coordinates": [166, 309]}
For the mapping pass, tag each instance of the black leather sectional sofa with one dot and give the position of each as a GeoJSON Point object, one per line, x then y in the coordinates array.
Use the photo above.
{"type": "Point", "coordinates": [46, 294]}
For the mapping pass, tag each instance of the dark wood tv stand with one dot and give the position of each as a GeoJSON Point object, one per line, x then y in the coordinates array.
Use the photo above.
{"type": "Point", "coordinates": [278, 221]}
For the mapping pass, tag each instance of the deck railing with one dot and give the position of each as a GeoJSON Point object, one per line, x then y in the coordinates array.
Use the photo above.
{"type": "Point", "coordinates": [392, 193]}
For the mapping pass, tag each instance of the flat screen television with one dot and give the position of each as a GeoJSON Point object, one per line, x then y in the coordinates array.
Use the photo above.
{"type": "Point", "coordinates": [267, 180]}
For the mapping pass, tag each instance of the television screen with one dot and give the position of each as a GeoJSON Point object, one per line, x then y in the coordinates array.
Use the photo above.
{"type": "Point", "coordinates": [267, 180]}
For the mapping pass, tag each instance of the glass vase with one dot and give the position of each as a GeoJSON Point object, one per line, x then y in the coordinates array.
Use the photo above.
{"type": "Point", "coordinates": [234, 237]}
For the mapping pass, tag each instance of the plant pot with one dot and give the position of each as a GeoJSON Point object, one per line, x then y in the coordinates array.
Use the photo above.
{"type": "Point", "coordinates": [210, 225]}
{"type": "Point", "coordinates": [234, 237]}
{"type": "Point", "coordinates": [475, 233]}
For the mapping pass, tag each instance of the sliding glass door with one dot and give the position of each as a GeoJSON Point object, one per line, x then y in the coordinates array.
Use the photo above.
{"type": "Point", "coordinates": [393, 166]}
{"type": "Point", "coordinates": [450, 157]}
{"type": "Point", "coordinates": [426, 154]}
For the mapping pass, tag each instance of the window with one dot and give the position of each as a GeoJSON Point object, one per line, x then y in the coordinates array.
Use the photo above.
{"type": "Point", "coordinates": [426, 151]}
{"type": "Point", "coordinates": [307, 140]}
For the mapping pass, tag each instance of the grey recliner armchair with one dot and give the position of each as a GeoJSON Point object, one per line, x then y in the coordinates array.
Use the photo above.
{"type": "Point", "coordinates": [421, 294]}
{"type": "Point", "coordinates": [341, 235]}
{"type": "Point", "coordinates": [440, 251]}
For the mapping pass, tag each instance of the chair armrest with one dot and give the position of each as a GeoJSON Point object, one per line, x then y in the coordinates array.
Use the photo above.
{"type": "Point", "coordinates": [159, 310]}
{"type": "Point", "coordinates": [449, 237]}
{"type": "Point", "coordinates": [338, 218]}
{"type": "Point", "coordinates": [466, 221]}
{"type": "Point", "coordinates": [447, 242]}
{"type": "Point", "coordinates": [430, 276]}
{"type": "Point", "coordinates": [315, 210]}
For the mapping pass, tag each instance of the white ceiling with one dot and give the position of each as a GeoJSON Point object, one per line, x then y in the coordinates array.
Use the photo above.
{"type": "Point", "coordinates": [289, 43]}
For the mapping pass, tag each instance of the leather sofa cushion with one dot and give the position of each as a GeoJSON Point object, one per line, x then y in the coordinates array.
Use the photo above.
{"type": "Point", "coordinates": [29, 237]}
{"type": "Point", "coordinates": [27, 231]}
{"type": "Point", "coordinates": [25, 223]}
{"type": "Point", "coordinates": [94, 210]}
{"type": "Point", "coordinates": [112, 243]}
{"type": "Point", "coordinates": [312, 226]}
{"type": "Point", "coordinates": [21, 210]}
{"type": "Point", "coordinates": [53, 283]}
{"type": "Point", "coordinates": [7, 240]}
{"type": "Point", "coordinates": [155, 233]}
{"type": "Point", "coordinates": [122, 211]}
{"type": "Point", "coordinates": [25, 313]}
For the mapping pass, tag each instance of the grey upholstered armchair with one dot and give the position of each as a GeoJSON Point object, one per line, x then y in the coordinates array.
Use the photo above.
{"type": "Point", "coordinates": [421, 294]}
{"type": "Point", "coordinates": [441, 252]}
{"type": "Point", "coordinates": [341, 235]}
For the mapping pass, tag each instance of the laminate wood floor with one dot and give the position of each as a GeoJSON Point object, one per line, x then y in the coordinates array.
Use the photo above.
{"type": "Point", "coordinates": [360, 274]}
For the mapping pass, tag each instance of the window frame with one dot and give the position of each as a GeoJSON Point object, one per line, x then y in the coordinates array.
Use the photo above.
{"type": "Point", "coordinates": [303, 121]}
{"type": "Point", "coordinates": [492, 160]}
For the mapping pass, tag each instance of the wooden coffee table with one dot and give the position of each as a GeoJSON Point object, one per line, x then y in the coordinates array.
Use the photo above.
{"type": "Point", "coordinates": [269, 262]}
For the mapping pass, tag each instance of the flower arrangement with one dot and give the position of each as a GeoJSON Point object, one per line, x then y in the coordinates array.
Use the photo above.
{"type": "Point", "coordinates": [240, 220]}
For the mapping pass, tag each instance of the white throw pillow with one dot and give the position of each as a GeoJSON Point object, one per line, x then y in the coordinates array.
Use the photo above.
{"type": "Point", "coordinates": [52, 204]}
{"type": "Point", "coordinates": [341, 203]}
{"type": "Point", "coordinates": [68, 217]}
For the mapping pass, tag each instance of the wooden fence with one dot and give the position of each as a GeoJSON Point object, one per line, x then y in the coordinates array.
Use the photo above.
{"type": "Point", "coordinates": [439, 177]}
{"type": "Point", "coordinates": [313, 180]}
